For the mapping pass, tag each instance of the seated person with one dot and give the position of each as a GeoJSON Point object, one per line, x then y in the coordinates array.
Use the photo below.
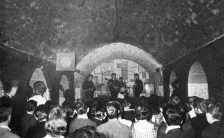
{"type": "Point", "coordinates": [214, 116]}
{"type": "Point", "coordinates": [174, 118]}
{"type": "Point", "coordinates": [5, 117]}
{"type": "Point", "coordinates": [143, 128]}
{"type": "Point", "coordinates": [28, 119]}
{"type": "Point", "coordinates": [82, 119]}
{"type": "Point", "coordinates": [113, 128]}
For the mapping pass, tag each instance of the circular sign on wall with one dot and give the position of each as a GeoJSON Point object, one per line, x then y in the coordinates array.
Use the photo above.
{"type": "Point", "coordinates": [65, 61]}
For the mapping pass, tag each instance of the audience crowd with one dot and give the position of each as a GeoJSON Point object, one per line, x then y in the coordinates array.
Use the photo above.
{"type": "Point", "coordinates": [128, 117]}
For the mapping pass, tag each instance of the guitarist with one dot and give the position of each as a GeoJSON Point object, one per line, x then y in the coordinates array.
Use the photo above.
{"type": "Point", "coordinates": [89, 87]}
{"type": "Point", "coordinates": [138, 86]}
{"type": "Point", "coordinates": [114, 86]}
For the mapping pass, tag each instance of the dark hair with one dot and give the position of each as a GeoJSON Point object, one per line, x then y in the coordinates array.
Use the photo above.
{"type": "Point", "coordinates": [4, 113]}
{"type": "Point", "coordinates": [113, 74]}
{"type": "Point", "coordinates": [136, 74]}
{"type": "Point", "coordinates": [56, 123]}
{"type": "Point", "coordinates": [8, 85]}
{"type": "Point", "coordinates": [39, 87]}
{"type": "Point", "coordinates": [113, 109]}
{"type": "Point", "coordinates": [172, 115]}
{"type": "Point", "coordinates": [40, 112]}
{"type": "Point", "coordinates": [49, 105]}
{"type": "Point", "coordinates": [143, 112]}
{"type": "Point", "coordinates": [81, 108]}
{"type": "Point", "coordinates": [174, 100]}
{"type": "Point", "coordinates": [215, 110]}
{"type": "Point", "coordinates": [31, 105]}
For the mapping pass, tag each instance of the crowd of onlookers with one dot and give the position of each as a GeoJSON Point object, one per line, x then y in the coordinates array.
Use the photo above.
{"type": "Point", "coordinates": [118, 118]}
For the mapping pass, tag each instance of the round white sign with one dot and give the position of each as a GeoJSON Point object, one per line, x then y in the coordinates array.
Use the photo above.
{"type": "Point", "coordinates": [65, 62]}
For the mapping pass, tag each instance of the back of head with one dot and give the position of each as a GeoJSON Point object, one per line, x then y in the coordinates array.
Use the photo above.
{"type": "Point", "coordinates": [5, 113]}
{"type": "Point", "coordinates": [174, 100]}
{"type": "Point", "coordinates": [31, 105]}
{"type": "Point", "coordinates": [172, 115]}
{"type": "Point", "coordinates": [40, 112]}
{"type": "Point", "coordinates": [85, 132]}
{"type": "Point", "coordinates": [56, 123]}
{"type": "Point", "coordinates": [8, 85]}
{"type": "Point", "coordinates": [49, 105]}
{"type": "Point", "coordinates": [113, 109]}
{"type": "Point", "coordinates": [214, 109]}
{"type": "Point", "coordinates": [39, 87]}
{"type": "Point", "coordinates": [143, 112]}
{"type": "Point", "coordinates": [81, 108]}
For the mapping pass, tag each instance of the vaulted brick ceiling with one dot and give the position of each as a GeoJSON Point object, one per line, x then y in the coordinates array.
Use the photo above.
{"type": "Point", "coordinates": [165, 28]}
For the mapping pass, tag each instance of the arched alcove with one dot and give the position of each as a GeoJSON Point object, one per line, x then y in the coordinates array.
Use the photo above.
{"type": "Point", "coordinates": [117, 51]}
{"type": "Point", "coordinates": [114, 51]}
{"type": "Point", "coordinates": [197, 81]}
{"type": "Point", "coordinates": [38, 75]}
{"type": "Point", "coordinates": [173, 77]}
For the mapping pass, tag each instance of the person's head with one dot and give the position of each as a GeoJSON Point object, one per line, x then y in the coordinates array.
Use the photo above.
{"type": "Point", "coordinates": [143, 112]}
{"type": "Point", "coordinates": [174, 100]}
{"type": "Point", "coordinates": [40, 113]}
{"type": "Point", "coordinates": [85, 132]}
{"type": "Point", "coordinates": [81, 108]}
{"type": "Point", "coordinates": [5, 115]}
{"type": "Point", "coordinates": [172, 115]}
{"type": "Point", "coordinates": [31, 105]}
{"type": "Point", "coordinates": [113, 76]}
{"type": "Point", "coordinates": [99, 113]}
{"type": "Point", "coordinates": [126, 103]}
{"type": "Point", "coordinates": [113, 109]}
{"type": "Point", "coordinates": [39, 88]}
{"type": "Point", "coordinates": [68, 95]}
{"type": "Point", "coordinates": [136, 76]}
{"type": "Point", "coordinates": [198, 104]}
{"type": "Point", "coordinates": [10, 87]}
{"type": "Point", "coordinates": [49, 105]}
{"type": "Point", "coordinates": [121, 79]}
{"type": "Point", "coordinates": [90, 77]}
{"type": "Point", "coordinates": [213, 112]}
{"type": "Point", "coordinates": [56, 122]}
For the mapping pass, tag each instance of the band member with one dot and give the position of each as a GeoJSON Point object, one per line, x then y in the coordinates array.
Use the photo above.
{"type": "Point", "coordinates": [89, 87]}
{"type": "Point", "coordinates": [114, 86]}
{"type": "Point", "coordinates": [138, 86]}
{"type": "Point", "coordinates": [122, 83]}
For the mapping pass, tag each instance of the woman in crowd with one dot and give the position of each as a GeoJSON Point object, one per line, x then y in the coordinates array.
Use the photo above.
{"type": "Point", "coordinates": [56, 123]}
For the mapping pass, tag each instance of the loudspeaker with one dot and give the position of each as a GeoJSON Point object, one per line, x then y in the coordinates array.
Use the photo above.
{"type": "Point", "coordinates": [65, 62]}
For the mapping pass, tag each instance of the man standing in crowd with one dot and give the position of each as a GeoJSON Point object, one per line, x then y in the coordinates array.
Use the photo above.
{"type": "Point", "coordinates": [113, 128]}
{"type": "Point", "coordinates": [38, 130]}
{"type": "Point", "coordinates": [114, 86]}
{"type": "Point", "coordinates": [122, 83]}
{"type": "Point", "coordinates": [5, 117]}
{"type": "Point", "coordinates": [174, 117]}
{"type": "Point", "coordinates": [39, 89]}
{"type": "Point", "coordinates": [214, 116]}
{"type": "Point", "coordinates": [138, 86]}
{"type": "Point", "coordinates": [10, 89]}
{"type": "Point", "coordinates": [82, 119]}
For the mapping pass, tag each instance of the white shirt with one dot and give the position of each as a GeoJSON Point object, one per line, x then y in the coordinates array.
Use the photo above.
{"type": "Point", "coordinates": [39, 99]}
{"type": "Point", "coordinates": [144, 129]}
{"type": "Point", "coordinates": [171, 128]}
{"type": "Point", "coordinates": [5, 127]}
{"type": "Point", "coordinates": [48, 136]}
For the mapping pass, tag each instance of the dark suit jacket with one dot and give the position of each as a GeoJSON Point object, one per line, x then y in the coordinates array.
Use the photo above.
{"type": "Point", "coordinates": [5, 133]}
{"type": "Point", "coordinates": [37, 131]}
{"type": "Point", "coordinates": [177, 133]}
{"type": "Point", "coordinates": [199, 123]}
{"type": "Point", "coordinates": [215, 130]}
{"type": "Point", "coordinates": [129, 115]}
{"type": "Point", "coordinates": [27, 122]}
